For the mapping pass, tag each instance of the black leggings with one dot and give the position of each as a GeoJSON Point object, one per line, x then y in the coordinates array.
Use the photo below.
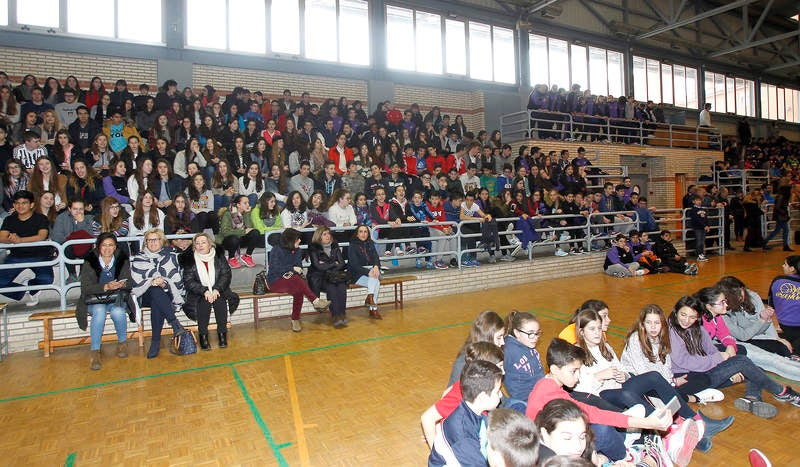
{"type": "Point", "coordinates": [205, 220]}
{"type": "Point", "coordinates": [204, 314]}
{"type": "Point", "coordinates": [772, 346]}
{"type": "Point", "coordinates": [791, 334]}
{"type": "Point", "coordinates": [250, 241]}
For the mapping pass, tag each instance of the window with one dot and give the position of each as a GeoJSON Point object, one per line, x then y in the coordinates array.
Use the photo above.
{"type": "Point", "coordinates": [320, 26]}
{"type": "Point", "coordinates": [556, 62]}
{"type": "Point", "coordinates": [480, 51]}
{"type": "Point", "coordinates": [578, 66]}
{"type": "Point", "coordinates": [206, 24]}
{"type": "Point", "coordinates": [139, 20]}
{"type": "Point", "coordinates": [537, 58]}
{"type": "Point", "coordinates": [353, 32]}
{"type": "Point", "coordinates": [503, 52]}
{"type": "Point", "coordinates": [792, 103]}
{"type": "Point", "coordinates": [285, 27]}
{"type": "Point", "coordinates": [399, 29]}
{"type": "Point", "coordinates": [3, 12]}
{"type": "Point", "coordinates": [778, 103]}
{"type": "Point", "coordinates": [428, 43]}
{"type": "Point", "coordinates": [730, 94]}
{"type": "Point", "coordinates": [664, 82]}
{"type": "Point", "coordinates": [456, 40]}
{"type": "Point", "coordinates": [252, 37]}
{"type": "Point", "coordinates": [90, 17]}
{"type": "Point", "coordinates": [43, 13]}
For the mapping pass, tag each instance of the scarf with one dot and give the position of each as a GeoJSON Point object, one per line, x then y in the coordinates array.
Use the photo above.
{"type": "Point", "coordinates": [342, 160]}
{"type": "Point", "coordinates": [237, 220]}
{"type": "Point", "coordinates": [207, 274]}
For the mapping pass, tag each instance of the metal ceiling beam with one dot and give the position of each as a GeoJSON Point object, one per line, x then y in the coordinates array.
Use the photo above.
{"type": "Point", "coordinates": [760, 21]}
{"type": "Point", "coordinates": [749, 45]}
{"type": "Point", "coordinates": [657, 11]}
{"type": "Point", "coordinates": [693, 19]}
{"type": "Point", "coordinates": [540, 5]}
{"type": "Point", "coordinates": [783, 65]}
{"type": "Point", "coordinates": [679, 11]}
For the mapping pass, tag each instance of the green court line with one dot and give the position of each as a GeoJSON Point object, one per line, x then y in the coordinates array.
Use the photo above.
{"type": "Point", "coordinates": [70, 459]}
{"type": "Point", "coordinates": [228, 364]}
{"type": "Point", "coordinates": [276, 450]}
{"type": "Point", "coordinates": [284, 445]}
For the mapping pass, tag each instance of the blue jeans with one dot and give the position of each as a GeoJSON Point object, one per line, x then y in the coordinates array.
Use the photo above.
{"type": "Point", "coordinates": [780, 226]}
{"type": "Point", "coordinates": [699, 241]}
{"type": "Point", "coordinates": [44, 276]}
{"type": "Point", "coordinates": [635, 389]}
{"type": "Point", "coordinates": [222, 201]}
{"type": "Point", "coordinates": [373, 285]}
{"type": "Point", "coordinates": [609, 441]}
{"type": "Point", "coordinates": [253, 198]}
{"type": "Point", "coordinates": [98, 324]}
{"type": "Point", "coordinates": [755, 378]}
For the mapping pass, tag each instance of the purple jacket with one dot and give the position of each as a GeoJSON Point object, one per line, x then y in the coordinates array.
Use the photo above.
{"type": "Point", "coordinates": [537, 100]}
{"type": "Point", "coordinates": [684, 362]}
{"type": "Point", "coordinates": [784, 295]}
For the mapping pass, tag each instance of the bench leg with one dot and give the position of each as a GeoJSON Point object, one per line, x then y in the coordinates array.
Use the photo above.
{"type": "Point", "coordinates": [256, 320]}
{"type": "Point", "coordinates": [401, 295]}
{"type": "Point", "coordinates": [140, 332]}
{"type": "Point", "coordinates": [48, 337]}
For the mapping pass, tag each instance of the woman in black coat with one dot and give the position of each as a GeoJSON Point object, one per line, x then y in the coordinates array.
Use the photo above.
{"type": "Point", "coordinates": [327, 273]}
{"type": "Point", "coordinates": [207, 280]}
{"type": "Point", "coordinates": [364, 264]}
{"type": "Point", "coordinates": [106, 269]}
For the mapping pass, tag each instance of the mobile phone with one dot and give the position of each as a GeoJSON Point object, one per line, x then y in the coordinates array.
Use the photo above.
{"type": "Point", "coordinates": [673, 405]}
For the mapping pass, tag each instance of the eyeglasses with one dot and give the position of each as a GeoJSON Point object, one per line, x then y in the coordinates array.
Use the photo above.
{"type": "Point", "coordinates": [115, 206]}
{"type": "Point", "coordinates": [153, 240]}
{"type": "Point", "coordinates": [530, 334]}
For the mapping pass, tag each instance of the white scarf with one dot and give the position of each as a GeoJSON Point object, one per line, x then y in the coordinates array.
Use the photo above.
{"type": "Point", "coordinates": [207, 275]}
{"type": "Point", "coordinates": [342, 160]}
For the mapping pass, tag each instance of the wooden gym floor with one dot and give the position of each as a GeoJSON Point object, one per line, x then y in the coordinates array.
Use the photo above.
{"type": "Point", "coordinates": [324, 396]}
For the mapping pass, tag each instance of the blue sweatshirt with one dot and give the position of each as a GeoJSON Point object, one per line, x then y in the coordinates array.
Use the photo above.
{"type": "Point", "coordinates": [461, 440]}
{"type": "Point", "coordinates": [523, 369]}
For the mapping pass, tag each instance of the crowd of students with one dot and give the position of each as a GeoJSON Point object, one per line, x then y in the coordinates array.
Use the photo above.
{"type": "Point", "coordinates": [608, 410]}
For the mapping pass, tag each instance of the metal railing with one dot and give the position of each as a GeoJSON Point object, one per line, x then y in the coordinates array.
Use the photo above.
{"type": "Point", "coordinates": [539, 124]}
{"type": "Point", "coordinates": [743, 180]}
{"type": "Point", "coordinates": [588, 231]}
{"type": "Point", "coordinates": [715, 235]}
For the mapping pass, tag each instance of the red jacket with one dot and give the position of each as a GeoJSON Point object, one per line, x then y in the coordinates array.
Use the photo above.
{"type": "Point", "coordinates": [333, 155]}
{"type": "Point", "coordinates": [394, 116]}
{"type": "Point", "coordinates": [547, 389]}
{"type": "Point", "coordinates": [433, 161]}
{"type": "Point", "coordinates": [280, 119]}
{"type": "Point", "coordinates": [411, 165]}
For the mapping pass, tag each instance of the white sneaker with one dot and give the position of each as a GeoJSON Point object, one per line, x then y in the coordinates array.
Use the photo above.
{"type": "Point", "coordinates": [560, 252]}
{"type": "Point", "coordinates": [709, 395]}
{"type": "Point", "coordinates": [639, 272]}
{"type": "Point", "coordinates": [30, 300]}
{"type": "Point", "coordinates": [516, 250]}
{"type": "Point", "coordinates": [702, 258]}
{"type": "Point", "coordinates": [680, 442]}
{"type": "Point", "coordinates": [24, 277]}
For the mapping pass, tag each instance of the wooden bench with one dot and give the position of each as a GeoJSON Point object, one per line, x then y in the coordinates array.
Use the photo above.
{"type": "Point", "coordinates": [396, 281]}
{"type": "Point", "coordinates": [50, 343]}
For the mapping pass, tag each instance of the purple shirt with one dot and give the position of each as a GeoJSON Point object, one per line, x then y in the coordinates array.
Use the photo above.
{"type": "Point", "coordinates": [684, 362]}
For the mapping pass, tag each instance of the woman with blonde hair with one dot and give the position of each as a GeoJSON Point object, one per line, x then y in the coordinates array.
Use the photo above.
{"type": "Point", "coordinates": [207, 279]}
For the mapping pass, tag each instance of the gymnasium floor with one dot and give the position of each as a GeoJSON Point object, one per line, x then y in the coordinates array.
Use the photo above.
{"type": "Point", "coordinates": [324, 396]}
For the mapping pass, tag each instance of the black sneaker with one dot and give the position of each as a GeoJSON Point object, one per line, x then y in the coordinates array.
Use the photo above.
{"type": "Point", "coordinates": [789, 395]}
{"type": "Point", "coordinates": [453, 263]}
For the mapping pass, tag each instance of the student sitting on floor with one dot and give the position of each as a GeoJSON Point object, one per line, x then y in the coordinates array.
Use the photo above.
{"type": "Point", "coordinates": [512, 439]}
{"type": "Point", "coordinates": [669, 256]}
{"type": "Point", "coordinates": [460, 440]}
{"type": "Point", "coordinates": [619, 260]}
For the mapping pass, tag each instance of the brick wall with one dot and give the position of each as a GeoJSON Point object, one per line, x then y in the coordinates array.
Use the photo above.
{"type": "Point", "coordinates": [470, 104]}
{"type": "Point", "coordinates": [273, 83]}
{"type": "Point", "coordinates": [43, 63]}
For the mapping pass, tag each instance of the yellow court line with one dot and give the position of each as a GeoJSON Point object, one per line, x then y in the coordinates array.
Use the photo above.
{"type": "Point", "coordinates": [299, 427]}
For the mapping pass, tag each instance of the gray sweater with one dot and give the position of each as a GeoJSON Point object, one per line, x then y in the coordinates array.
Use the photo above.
{"type": "Point", "coordinates": [65, 224]}
{"type": "Point", "coordinates": [745, 327]}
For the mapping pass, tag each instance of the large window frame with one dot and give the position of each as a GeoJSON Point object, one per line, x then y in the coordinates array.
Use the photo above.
{"type": "Point", "coordinates": [61, 26]}
{"type": "Point", "coordinates": [726, 91]}
{"type": "Point", "coordinates": [780, 103]}
{"type": "Point", "coordinates": [319, 52]}
{"type": "Point", "coordinates": [457, 59]}
{"type": "Point", "coordinates": [665, 82]}
{"type": "Point", "coordinates": [582, 64]}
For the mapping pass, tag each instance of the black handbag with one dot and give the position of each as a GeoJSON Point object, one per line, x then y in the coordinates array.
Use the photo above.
{"type": "Point", "coordinates": [260, 286]}
{"type": "Point", "coordinates": [336, 276]}
{"type": "Point", "coordinates": [118, 296]}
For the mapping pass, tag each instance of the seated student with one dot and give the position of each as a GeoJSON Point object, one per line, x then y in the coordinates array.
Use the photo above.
{"type": "Point", "coordinates": [564, 431]}
{"type": "Point", "coordinates": [266, 215]}
{"type": "Point", "coordinates": [146, 215]}
{"type": "Point", "coordinates": [84, 183]}
{"type": "Point", "coordinates": [750, 322]}
{"type": "Point", "coordinates": [419, 209]}
{"type": "Point", "coordinates": [695, 358]}
{"type": "Point", "coordinates": [488, 326]}
{"type": "Point", "coordinates": [179, 216]}
{"type": "Point", "coordinates": [602, 376]}
{"type": "Point", "coordinates": [619, 260]}
{"type": "Point", "coordinates": [436, 207]}
{"type": "Point", "coordinates": [251, 184]}
{"type": "Point", "coordinates": [284, 275]}
{"type": "Point", "coordinates": [787, 309]}
{"type": "Point", "coordinates": [71, 224]}
{"type": "Point", "coordinates": [111, 218]}
{"type": "Point", "coordinates": [569, 334]}
{"type": "Point", "coordinates": [201, 202]}
{"type": "Point", "coordinates": [115, 184]}
{"type": "Point", "coordinates": [340, 210]}
{"type": "Point", "coordinates": [669, 256]}
{"type": "Point", "coordinates": [223, 184]}
{"type": "Point", "coordinates": [642, 250]}
{"type": "Point", "coordinates": [25, 226]}
{"type": "Point", "coordinates": [522, 364]}
{"type": "Point", "coordinates": [489, 240]}
{"type": "Point", "coordinates": [165, 184]}
{"type": "Point", "coordinates": [459, 441]}
{"type": "Point", "coordinates": [564, 361]}
{"type": "Point", "coordinates": [236, 231]}
{"type": "Point", "coordinates": [713, 305]}
{"type": "Point", "coordinates": [452, 397]}
{"type": "Point", "coordinates": [512, 439]}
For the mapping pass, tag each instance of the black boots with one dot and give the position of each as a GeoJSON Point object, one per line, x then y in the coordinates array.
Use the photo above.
{"type": "Point", "coordinates": [223, 339]}
{"type": "Point", "coordinates": [204, 342]}
{"type": "Point", "coordinates": [155, 346]}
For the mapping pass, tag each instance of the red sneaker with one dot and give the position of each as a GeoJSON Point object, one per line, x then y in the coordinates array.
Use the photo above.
{"type": "Point", "coordinates": [248, 261]}
{"type": "Point", "coordinates": [758, 459]}
{"type": "Point", "coordinates": [234, 263]}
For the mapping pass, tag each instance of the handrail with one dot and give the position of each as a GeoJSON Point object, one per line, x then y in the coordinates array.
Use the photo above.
{"type": "Point", "coordinates": [544, 124]}
{"type": "Point", "coordinates": [591, 227]}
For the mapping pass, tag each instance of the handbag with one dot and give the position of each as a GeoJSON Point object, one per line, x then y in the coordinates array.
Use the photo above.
{"type": "Point", "coordinates": [260, 286]}
{"type": "Point", "coordinates": [336, 276]}
{"type": "Point", "coordinates": [183, 343]}
{"type": "Point", "coordinates": [118, 296]}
